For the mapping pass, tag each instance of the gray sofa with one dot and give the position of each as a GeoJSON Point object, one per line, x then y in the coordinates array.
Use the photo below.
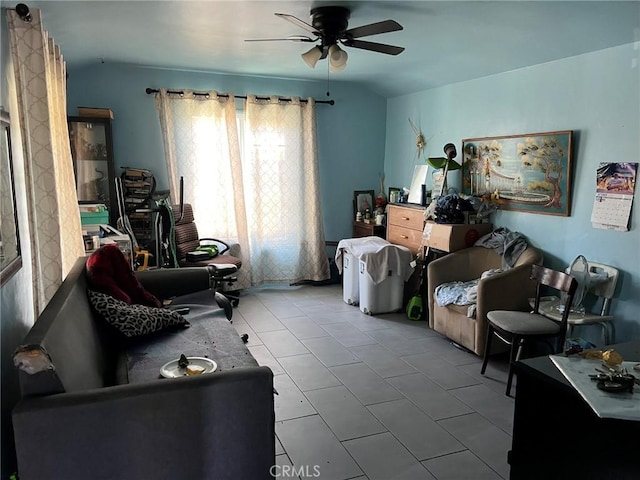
{"type": "Point", "coordinates": [95, 407]}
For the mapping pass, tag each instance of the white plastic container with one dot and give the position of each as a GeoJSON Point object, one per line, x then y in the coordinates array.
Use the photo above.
{"type": "Point", "coordinates": [350, 279]}
{"type": "Point", "coordinates": [347, 256]}
{"type": "Point", "coordinates": [383, 297]}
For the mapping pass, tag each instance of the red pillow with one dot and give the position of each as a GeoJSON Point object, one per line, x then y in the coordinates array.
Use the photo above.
{"type": "Point", "coordinates": [108, 271]}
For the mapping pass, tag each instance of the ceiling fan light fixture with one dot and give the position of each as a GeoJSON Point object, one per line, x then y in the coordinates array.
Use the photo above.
{"type": "Point", "coordinates": [333, 69]}
{"type": "Point", "coordinates": [312, 56]}
{"type": "Point", "coordinates": [337, 58]}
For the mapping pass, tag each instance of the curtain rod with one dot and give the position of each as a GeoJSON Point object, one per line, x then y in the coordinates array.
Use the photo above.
{"type": "Point", "coordinates": [180, 92]}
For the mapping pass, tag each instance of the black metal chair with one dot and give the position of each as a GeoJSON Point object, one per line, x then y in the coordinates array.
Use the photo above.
{"type": "Point", "coordinates": [519, 328]}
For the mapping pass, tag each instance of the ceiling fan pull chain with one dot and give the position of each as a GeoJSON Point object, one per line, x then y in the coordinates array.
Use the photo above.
{"type": "Point", "coordinates": [328, 70]}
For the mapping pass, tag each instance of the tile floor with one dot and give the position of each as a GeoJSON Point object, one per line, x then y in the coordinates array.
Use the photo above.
{"type": "Point", "coordinates": [373, 397]}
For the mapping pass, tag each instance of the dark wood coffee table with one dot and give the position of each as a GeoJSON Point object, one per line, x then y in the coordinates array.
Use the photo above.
{"type": "Point", "coordinates": [557, 435]}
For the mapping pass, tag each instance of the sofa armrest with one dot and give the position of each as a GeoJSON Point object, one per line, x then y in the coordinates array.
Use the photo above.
{"type": "Point", "coordinates": [218, 426]}
{"type": "Point", "coordinates": [455, 267]}
{"type": "Point", "coordinates": [508, 290]}
{"type": "Point", "coordinates": [174, 282]}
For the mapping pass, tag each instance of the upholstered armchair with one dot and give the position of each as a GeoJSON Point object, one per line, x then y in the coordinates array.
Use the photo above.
{"type": "Point", "coordinates": [507, 290]}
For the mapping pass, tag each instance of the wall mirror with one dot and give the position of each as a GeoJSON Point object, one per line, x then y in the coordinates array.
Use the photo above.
{"type": "Point", "coordinates": [419, 179]}
{"type": "Point", "coordinates": [10, 259]}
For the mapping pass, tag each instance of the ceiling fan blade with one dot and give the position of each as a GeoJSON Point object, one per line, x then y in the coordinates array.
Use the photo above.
{"type": "Point", "coordinates": [374, 47]}
{"type": "Point", "coordinates": [373, 29]}
{"type": "Point", "coordinates": [298, 22]}
{"type": "Point", "coordinates": [291, 38]}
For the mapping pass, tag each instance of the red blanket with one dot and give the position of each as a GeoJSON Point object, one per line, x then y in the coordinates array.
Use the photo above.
{"type": "Point", "coordinates": [108, 271]}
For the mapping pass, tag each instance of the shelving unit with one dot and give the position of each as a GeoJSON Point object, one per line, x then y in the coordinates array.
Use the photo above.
{"type": "Point", "coordinates": [91, 144]}
{"type": "Point", "coordinates": [139, 185]}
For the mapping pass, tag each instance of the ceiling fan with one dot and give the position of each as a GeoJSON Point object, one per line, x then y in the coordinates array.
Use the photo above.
{"type": "Point", "coordinates": [329, 26]}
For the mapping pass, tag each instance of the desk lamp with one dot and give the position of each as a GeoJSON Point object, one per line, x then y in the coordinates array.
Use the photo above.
{"type": "Point", "coordinates": [447, 163]}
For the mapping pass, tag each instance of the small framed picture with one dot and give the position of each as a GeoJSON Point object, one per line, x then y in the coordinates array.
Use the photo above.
{"type": "Point", "coordinates": [362, 200]}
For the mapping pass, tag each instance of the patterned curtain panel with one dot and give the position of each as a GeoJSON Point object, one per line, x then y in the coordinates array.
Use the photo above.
{"type": "Point", "coordinates": [268, 200]}
{"type": "Point", "coordinates": [282, 191]}
{"type": "Point", "coordinates": [54, 218]}
{"type": "Point", "coordinates": [200, 136]}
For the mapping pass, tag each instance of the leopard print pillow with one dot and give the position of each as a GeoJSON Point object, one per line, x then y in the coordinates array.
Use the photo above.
{"type": "Point", "coordinates": [133, 320]}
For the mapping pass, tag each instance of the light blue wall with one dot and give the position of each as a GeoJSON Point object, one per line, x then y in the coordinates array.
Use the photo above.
{"type": "Point", "coordinates": [351, 134]}
{"type": "Point", "coordinates": [596, 95]}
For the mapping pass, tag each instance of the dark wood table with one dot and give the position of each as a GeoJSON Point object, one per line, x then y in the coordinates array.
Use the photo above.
{"type": "Point", "coordinates": [362, 229]}
{"type": "Point", "coordinates": [557, 435]}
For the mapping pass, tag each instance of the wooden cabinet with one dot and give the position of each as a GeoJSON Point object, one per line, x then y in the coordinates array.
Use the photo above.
{"type": "Point", "coordinates": [404, 225]}
{"type": "Point", "coordinates": [362, 229]}
{"type": "Point", "coordinates": [92, 153]}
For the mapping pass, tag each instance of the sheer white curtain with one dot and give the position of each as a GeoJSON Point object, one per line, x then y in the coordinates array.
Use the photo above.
{"type": "Point", "coordinates": [282, 191]}
{"type": "Point", "coordinates": [52, 204]}
{"type": "Point", "coordinates": [269, 201]}
{"type": "Point", "coordinates": [201, 145]}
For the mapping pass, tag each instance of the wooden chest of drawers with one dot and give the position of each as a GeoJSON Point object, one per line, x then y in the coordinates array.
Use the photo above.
{"type": "Point", "coordinates": [404, 225]}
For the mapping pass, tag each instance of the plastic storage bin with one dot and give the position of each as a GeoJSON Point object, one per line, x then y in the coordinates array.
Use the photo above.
{"type": "Point", "coordinates": [94, 214]}
{"type": "Point", "coordinates": [383, 297]}
{"type": "Point", "coordinates": [350, 285]}
{"type": "Point", "coordinates": [347, 256]}
{"type": "Point", "coordinates": [91, 218]}
{"type": "Point", "coordinates": [381, 278]}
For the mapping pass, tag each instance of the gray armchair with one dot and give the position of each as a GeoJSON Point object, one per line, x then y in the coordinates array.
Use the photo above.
{"type": "Point", "coordinates": [508, 290]}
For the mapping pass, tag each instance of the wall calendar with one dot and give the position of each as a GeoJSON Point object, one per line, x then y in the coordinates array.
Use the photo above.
{"type": "Point", "coordinates": [615, 186]}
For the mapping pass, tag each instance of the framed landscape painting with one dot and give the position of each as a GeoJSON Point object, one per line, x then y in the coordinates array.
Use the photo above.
{"type": "Point", "coordinates": [526, 173]}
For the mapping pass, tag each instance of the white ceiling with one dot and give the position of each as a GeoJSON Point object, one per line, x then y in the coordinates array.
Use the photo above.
{"type": "Point", "coordinates": [445, 41]}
